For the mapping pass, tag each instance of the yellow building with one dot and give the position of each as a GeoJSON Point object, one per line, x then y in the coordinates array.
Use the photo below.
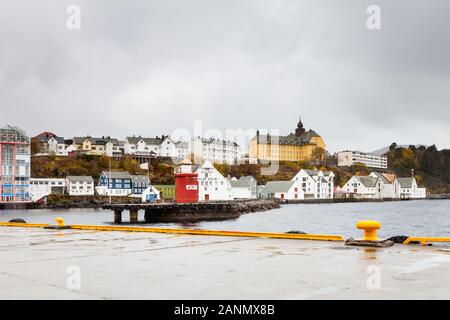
{"type": "Point", "coordinates": [299, 146]}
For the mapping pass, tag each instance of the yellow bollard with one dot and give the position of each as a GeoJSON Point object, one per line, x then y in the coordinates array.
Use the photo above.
{"type": "Point", "coordinates": [59, 222]}
{"type": "Point", "coordinates": [370, 228]}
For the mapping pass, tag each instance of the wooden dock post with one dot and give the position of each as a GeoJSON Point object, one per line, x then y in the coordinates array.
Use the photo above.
{"type": "Point", "coordinates": [118, 216]}
{"type": "Point", "coordinates": [133, 215]}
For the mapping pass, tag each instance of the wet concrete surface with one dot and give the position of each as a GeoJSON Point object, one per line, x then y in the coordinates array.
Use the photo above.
{"type": "Point", "coordinates": [40, 264]}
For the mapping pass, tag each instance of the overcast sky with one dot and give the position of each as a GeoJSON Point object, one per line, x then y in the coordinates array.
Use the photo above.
{"type": "Point", "coordinates": [150, 67]}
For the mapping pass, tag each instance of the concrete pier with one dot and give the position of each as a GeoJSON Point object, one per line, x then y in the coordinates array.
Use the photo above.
{"type": "Point", "coordinates": [191, 212]}
{"type": "Point", "coordinates": [40, 263]}
{"type": "Point", "coordinates": [133, 216]}
{"type": "Point", "coordinates": [118, 216]}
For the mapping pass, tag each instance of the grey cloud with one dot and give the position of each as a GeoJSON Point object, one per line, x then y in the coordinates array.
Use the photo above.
{"type": "Point", "coordinates": [149, 67]}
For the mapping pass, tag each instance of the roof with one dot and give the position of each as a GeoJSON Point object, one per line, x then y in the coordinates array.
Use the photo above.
{"type": "Point", "coordinates": [117, 175]}
{"type": "Point", "coordinates": [382, 177]}
{"type": "Point", "coordinates": [311, 172]}
{"type": "Point", "coordinates": [250, 179]}
{"type": "Point", "coordinates": [291, 139]}
{"type": "Point", "coordinates": [185, 161]}
{"type": "Point", "coordinates": [150, 141]}
{"type": "Point", "coordinates": [390, 176]}
{"type": "Point", "coordinates": [405, 182]}
{"type": "Point", "coordinates": [80, 178]}
{"type": "Point", "coordinates": [207, 165]}
{"type": "Point", "coordinates": [96, 141]}
{"type": "Point", "coordinates": [140, 178]}
{"type": "Point", "coordinates": [368, 182]}
{"type": "Point", "coordinates": [278, 186]}
{"type": "Point", "coordinates": [240, 184]}
{"type": "Point", "coordinates": [182, 144]}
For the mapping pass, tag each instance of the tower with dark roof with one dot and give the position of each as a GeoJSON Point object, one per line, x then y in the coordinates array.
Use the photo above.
{"type": "Point", "coordinates": [300, 129]}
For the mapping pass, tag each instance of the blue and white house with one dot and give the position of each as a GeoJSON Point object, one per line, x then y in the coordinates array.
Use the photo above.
{"type": "Point", "coordinates": [121, 183]}
{"type": "Point", "coordinates": [116, 183]}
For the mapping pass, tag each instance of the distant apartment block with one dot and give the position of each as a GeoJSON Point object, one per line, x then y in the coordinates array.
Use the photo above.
{"type": "Point", "coordinates": [14, 165]}
{"type": "Point", "coordinates": [349, 158]}
{"type": "Point", "coordinates": [163, 146]}
{"type": "Point", "coordinates": [215, 151]}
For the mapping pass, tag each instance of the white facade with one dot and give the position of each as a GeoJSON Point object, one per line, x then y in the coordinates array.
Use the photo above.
{"type": "Point", "coordinates": [388, 188]}
{"type": "Point", "coordinates": [315, 184]}
{"type": "Point", "coordinates": [349, 158]}
{"type": "Point", "coordinates": [362, 187]}
{"type": "Point", "coordinates": [215, 151]}
{"type": "Point", "coordinates": [42, 187]}
{"type": "Point", "coordinates": [80, 186]}
{"type": "Point", "coordinates": [285, 190]}
{"type": "Point", "coordinates": [212, 185]}
{"type": "Point", "coordinates": [242, 189]}
{"type": "Point", "coordinates": [408, 189]}
{"type": "Point", "coordinates": [147, 194]}
{"type": "Point", "coordinates": [57, 146]}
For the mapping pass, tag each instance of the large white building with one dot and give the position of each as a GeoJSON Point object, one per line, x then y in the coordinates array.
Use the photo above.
{"type": "Point", "coordinates": [212, 185]}
{"type": "Point", "coordinates": [315, 184]}
{"type": "Point", "coordinates": [364, 187]}
{"type": "Point", "coordinates": [306, 184]}
{"type": "Point", "coordinates": [163, 146]}
{"type": "Point", "coordinates": [349, 158]}
{"type": "Point", "coordinates": [215, 151]}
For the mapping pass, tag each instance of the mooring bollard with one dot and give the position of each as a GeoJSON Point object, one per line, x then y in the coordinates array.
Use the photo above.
{"type": "Point", "coordinates": [59, 222]}
{"type": "Point", "coordinates": [370, 228]}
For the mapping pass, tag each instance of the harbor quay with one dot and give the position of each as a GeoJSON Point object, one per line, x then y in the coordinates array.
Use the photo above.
{"type": "Point", "coordinates": [39, 263]}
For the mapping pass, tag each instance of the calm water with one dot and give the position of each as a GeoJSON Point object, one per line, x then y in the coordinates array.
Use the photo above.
{"type": "Point", "coordinates": [411, 218]}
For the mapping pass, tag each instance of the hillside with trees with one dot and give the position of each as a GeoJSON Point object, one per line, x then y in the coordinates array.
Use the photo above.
{"type": "Point", "coordinates": [431, 166]}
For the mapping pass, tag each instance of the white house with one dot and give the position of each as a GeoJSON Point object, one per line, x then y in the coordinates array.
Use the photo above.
{"type": "Point", "coordinates": [364, 187]}
{"type": "Point", "coordinates": [151, 194]}
{"type": "Point", "coordinates": [80, 185]}
{"type": "Point", "coordinates": [57, 146]}
{"type": "Point", "coordinates": [388, 187]}
{"type": "Point", "coordinates": [212, 185]}
{"type": "Point", "coordinates": [163, 146]}
{"type": "Point", "coordinates": [286, 190]}
{"type": "Point", "coordinates": [315, 184]}
{"type": "Point", "coordinates": [253, 184]}
{"type": "Point", "coordinates": [41, 187]}
{"type": "Point", "coordinates": [408, 189]}
{"type": "Point", "coordinates": [215, 151]}
{"type": "Point", "coordinates": [241, 189]}
{"type": "Point", "coordinates": [115, 183]}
